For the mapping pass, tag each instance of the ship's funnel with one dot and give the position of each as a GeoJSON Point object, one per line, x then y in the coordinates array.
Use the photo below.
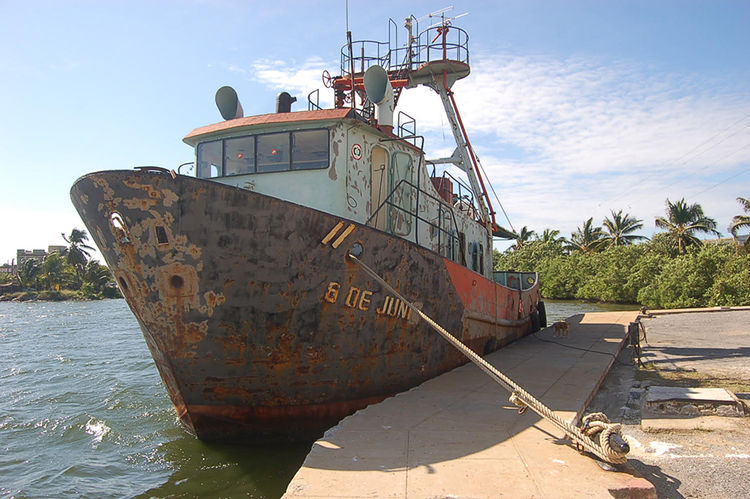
{"type": "Point", "coordinates": [228, 103]}
{"type": "Point", "coordinates": [378, 89]}
{"type": "Point", "coordinates": [284, 102]}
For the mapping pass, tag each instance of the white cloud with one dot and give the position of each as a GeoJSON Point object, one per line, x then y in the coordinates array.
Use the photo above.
{"type": "Point", "coordinates": [298, 80]}
{"type": "Point", "coordinates": [567, 139]}
{"type": "Point", "coordinates": [589, 116]}
{"type": "Point", "coordinates": [564, 140]}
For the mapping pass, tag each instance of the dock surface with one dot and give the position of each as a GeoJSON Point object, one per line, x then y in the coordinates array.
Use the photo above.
{"type": "Point", "coordinates": [458, 436]}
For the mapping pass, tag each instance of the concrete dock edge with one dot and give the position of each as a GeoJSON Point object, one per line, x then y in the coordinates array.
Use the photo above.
{"type": "Point", "coordinates": [458, 436]}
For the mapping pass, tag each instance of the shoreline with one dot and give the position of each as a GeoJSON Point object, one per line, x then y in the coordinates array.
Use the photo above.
{"type": "Point", "coordinates": [51, 296]}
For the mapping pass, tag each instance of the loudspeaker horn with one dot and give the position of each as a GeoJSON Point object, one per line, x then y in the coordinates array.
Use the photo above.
{"type": "Point", "coordinates": [228, 103]}
{"type": "Point", "coordinates": [378, 89]}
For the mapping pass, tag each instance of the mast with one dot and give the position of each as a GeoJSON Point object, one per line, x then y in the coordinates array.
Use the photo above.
{"type": "Point", "coordinates": [436, 61]}
{"type": "Point", "coordinates": [464, 150]}
{"type": "Point", "coordinates": [440, 75]}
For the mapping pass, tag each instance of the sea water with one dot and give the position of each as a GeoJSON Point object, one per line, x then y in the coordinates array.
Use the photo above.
{"type": "Point", "coordinates": [84, 413]}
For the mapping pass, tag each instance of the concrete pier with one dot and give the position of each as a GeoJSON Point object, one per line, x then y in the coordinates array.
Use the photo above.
{"type": "Point", "coordinates": [458, 436]}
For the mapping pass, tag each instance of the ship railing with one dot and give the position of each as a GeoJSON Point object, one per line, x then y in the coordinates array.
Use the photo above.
{"type": "Point", "coordinates": [366, 53]}
{"type": "Point", "coordinates": [406, 128]}
{"type": "Point", "coordinates": [189, 167]}
{"type": "Point", "coordinates": [313, 105]}
{"type": "Point", "coordinates": [516, 280]}
{"type": "Point", "coordinates": [401, 208]}
{"type": "Point", "coordinates": [436, 43]}
{"type": "Point", "coordinates": [464, 195]}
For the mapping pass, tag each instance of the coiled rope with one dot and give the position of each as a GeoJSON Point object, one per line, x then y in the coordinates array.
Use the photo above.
{"type": "Point", "coordinates": [597, 423]}
{"type": "Point", "coordinates": [519, 396]}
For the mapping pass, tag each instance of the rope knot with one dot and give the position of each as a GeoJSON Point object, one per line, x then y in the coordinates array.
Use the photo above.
{"type": "Point", "coordinates": [615, 447]}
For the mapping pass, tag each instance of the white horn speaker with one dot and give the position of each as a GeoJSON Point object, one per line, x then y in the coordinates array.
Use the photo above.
{"type": "Point", "coordinates": [378, 89]}
{"type": "Point", "coordinates": [228, 103]}
{"type": "Point", "coordinates": [376, 80]}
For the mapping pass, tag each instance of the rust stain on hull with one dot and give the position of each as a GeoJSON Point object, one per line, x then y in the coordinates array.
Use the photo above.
{"type": "Point", "coordinates": [258, 330]}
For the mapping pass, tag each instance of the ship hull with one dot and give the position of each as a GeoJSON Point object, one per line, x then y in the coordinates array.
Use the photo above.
{"type": "Point", "coordinates": [260, 326]}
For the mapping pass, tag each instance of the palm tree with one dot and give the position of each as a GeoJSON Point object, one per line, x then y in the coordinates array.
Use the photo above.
{"type": "Point", "coordinates": [620, 227]}
{"type": "Point", "coordinates": [78, 251]}
{"type": "Point", "coordinates": [97, 275]}
{"type": "Point", "coordinates": [28, 274]}
{"type": "Point", "coordinates": [52, 270]}
{"type": "Point", "coordinates": [550, 236]}
{"type": "Point", "coordinates": [587, 239]}
{"type": "Point", "coordinates": [741, 221]}
{"type": "Point", "coordinates": [523, 236]}
{"type": "Point", "coordinates": [683, 221]}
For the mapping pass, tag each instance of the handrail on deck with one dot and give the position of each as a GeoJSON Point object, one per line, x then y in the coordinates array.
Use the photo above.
{"type": "Point", "coordinates": [436, 43]}
{"type": "Point", "coordinates": [451, 237]}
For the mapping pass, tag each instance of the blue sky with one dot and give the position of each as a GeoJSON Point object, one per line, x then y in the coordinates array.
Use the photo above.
{"type": "Point", "coordinates": [575, 108]}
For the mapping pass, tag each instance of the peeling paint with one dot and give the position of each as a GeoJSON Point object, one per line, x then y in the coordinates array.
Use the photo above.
{"type": "Point", "coordinates": [239, 328]}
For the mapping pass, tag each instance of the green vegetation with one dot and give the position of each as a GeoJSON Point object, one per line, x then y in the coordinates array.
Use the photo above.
{"type": "Point", "coordinates": [674, 269]}
{"type": "Point", "coordinates": [69, 275]}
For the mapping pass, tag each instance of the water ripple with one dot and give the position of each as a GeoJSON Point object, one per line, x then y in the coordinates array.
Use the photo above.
{"type": "Point", "coordinates": [83, 413]}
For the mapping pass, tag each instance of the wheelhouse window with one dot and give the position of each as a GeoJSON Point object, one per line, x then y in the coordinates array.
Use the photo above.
{"type": "Point", "coordinates": [309, 149]}
{"type": "Point", "coordinates": [273, 152]}
{"type": "Point", "coordinates": [264, 153]}
{"type": "Point", "coordinates": [209, 159]}
{"type": "Point", "coordinates": [239, 155]}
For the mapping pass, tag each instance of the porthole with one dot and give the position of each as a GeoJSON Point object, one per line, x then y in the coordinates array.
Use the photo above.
{"type": "Point", "coordinates": [176, 281]}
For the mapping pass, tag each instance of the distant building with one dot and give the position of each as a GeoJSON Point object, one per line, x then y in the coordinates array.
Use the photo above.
{"type": "Point", "coordinates": [57, 249]}
{"type": "Point", "coordinates": [22, 255]}
{"type": "Point", "coordinates": [728, 240]}
{"type": "Point", "coordinates": [742, 239]}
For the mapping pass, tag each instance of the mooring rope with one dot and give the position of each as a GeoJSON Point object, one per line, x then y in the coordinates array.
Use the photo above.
{"type": "Point", "coordinates": [519, 396]}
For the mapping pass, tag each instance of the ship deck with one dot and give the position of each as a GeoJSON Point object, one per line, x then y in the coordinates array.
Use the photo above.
{"type": "Point", "coordinates": [458, 436]}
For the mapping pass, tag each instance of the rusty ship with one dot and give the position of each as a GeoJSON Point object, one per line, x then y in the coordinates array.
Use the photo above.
{"type": "Point", "coordinates": [238, 268]}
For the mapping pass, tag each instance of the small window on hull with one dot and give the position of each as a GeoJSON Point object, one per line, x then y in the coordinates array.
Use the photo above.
{"type": "Point", "coordinates": [161, 235]}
